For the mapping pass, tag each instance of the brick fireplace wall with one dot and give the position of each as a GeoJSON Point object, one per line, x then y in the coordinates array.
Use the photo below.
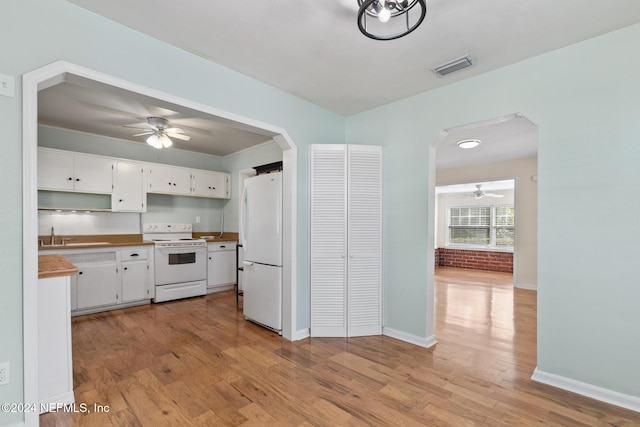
{"type": "Point", "coordinates": [477, 260]}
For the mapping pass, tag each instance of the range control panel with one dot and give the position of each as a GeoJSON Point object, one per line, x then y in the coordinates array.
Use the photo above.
{"type": "Point", "coordinates": [166, 227]}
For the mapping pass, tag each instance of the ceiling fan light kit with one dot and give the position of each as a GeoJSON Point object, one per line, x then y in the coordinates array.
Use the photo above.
{"type": "Point", "coordinates": [159, 133]}
{"type": "Point", "coordinates": [390, 19]}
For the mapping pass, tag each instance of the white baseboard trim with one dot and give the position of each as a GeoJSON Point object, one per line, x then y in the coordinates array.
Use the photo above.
{"type": "Point", "coordinates": [410, 338]}
{"type": "Point", "coordinates": [526, 286]}
{"type": "Point", "coordinates": [605, 395]}
{"type": "Point", "coordinates": [301, 334]}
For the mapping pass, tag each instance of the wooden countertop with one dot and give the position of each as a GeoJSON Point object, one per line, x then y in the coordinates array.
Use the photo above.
{"type": "Point", "coordinates": [226, 237]}
{"type": "Point", "coordinates": [118, 240]}
{"type": "Point", "coordinates": [93, 241]}
{"type": "Point", "coordinates": [54, 266]}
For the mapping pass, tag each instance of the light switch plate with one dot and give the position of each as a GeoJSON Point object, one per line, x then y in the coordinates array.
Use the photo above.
{"type": "Point", "coordinates": [7, 85]}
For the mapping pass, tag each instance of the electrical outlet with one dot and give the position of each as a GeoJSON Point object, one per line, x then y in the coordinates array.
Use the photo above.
{"type": "Point", "coordinates": [197, 219]}
{"type": "Point", "coordinates": [4, 373]}
{"type": "Point", "coordinates": [7, 85]}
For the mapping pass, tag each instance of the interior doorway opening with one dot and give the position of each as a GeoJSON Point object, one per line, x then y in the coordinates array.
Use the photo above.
{"type": "Point", "coordinates": [475, 225]}
{"type": "Point", "coordinates": [507, 151]}
{"type": "Point", "coordinates": [61, 71]}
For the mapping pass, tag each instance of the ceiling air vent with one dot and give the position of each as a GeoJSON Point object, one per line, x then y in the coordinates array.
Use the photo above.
{"type": "Point", "coordinates": [452, 66]}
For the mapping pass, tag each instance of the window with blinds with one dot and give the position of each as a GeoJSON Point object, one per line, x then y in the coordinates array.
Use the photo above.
{"type": "Point", "coordinates": [482, 226]}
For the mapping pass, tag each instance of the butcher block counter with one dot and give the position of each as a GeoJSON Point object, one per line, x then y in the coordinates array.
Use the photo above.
{"type": "Point", "coordinates": [67, 242]}
{"type": "Point", "coordinates": [54, 266]}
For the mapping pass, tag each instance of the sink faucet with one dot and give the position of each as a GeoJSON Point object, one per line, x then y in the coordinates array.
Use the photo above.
{"type": "Point", "coordinates": [53, 237]}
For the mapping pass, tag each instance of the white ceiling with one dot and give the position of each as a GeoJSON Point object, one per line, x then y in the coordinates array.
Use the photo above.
{"type": "Point", "coordinates": [108, 111]}
{"type": "Point", "coordinates": [502, 139]}
{"type": "Point", "coordinates": [313, 49]}
{"type": "Point", "coordinates": [487, 186]}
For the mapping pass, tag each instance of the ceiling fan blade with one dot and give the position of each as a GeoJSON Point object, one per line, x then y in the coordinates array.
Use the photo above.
{"type": "Point", "coordinates": [179, 136]}
{"type": "Point", "coordinates": [135, 127]}
{"type": "Point", "coordinates": [143, 133]}
{"type": "Point", "coordinates": [174, 130]}
{"type": "Point", "coordinates": [493, 195]}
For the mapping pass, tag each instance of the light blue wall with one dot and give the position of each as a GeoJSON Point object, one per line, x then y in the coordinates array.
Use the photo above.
{"type": "Point", "coordinates": [584, 98]}
{"type": "Point", "coordinates": [35, 33]}
{"type": "Point", "coordinates": [261, 155]}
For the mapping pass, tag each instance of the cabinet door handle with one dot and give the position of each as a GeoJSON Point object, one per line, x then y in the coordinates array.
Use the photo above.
{"type": "Point", "coordinates": [223, 246]}
{"type": "Point", "coordinates": [209, 257]}
{"type": "Point", "coordinates": [134, 255]}
{"type": "Point", "coordinates": [126, 268]}
{"type": "Point", "coordinates": [121, 200]}
{"type": "Point", "coordinates": [69, 179]}
{"type": "Point", "coordinates": [79, 272]}
{"type": "Point", "coordinates": [77, 179]}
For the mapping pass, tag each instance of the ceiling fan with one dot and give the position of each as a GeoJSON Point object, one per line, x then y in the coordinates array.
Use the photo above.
{"type": "Point", "coordinates": [479, 193]}
{"type": "Point", "coordinates": [160, 133]}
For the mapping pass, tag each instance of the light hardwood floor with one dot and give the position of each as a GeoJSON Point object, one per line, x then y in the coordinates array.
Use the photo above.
{"type": "Point", "coordinates": [198, 362]}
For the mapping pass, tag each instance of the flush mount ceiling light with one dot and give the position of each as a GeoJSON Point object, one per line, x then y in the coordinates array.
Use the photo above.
{"type": "Point", "coordinates": [468, 143]}
{"type": "Point", "coordinates": [390, 19]}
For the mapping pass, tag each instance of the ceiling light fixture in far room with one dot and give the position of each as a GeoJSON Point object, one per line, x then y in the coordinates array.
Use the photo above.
{"type": "Point", "coordinates": [468, 143]}
{"type": "Point", "coordinates": [390, 19]}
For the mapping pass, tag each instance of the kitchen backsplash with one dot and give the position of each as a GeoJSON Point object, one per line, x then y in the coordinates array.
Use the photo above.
{"type": "Point", "coordinates": [84, 223]}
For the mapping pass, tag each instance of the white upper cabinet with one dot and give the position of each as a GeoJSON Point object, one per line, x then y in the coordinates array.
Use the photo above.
{"type": "Point", "coordinates": [60, 170]}
{"type": "Point", "coordinates": [346, 240]}
{"type": "Point", "coordinates": [128, 189]}
{"type": "Point", "coordinates": [211, 184]}
{"type": "Point", "coordinates": [66, 171]}
{"type": "Point", "coordinates": [169, 180]}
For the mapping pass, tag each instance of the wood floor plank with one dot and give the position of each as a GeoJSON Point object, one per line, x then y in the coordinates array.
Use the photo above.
{"type": "Point", "coordinates": [199, 362]}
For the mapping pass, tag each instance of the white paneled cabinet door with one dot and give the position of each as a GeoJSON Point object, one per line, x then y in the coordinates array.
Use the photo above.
{"type": "Point", "coordinates": [346, 240]}
{"type": "Point", "coordinates": [55, 171]}
{"type": "Point", "coordinates": [169, 180]}
{"type": "Point", "coordinates": [93, 174]}
{"type": "Point", "coordinates": [128, 195]}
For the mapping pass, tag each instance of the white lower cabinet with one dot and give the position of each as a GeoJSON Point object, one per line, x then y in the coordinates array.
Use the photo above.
{"type": "Point", "coordinates": [98, 282]}
{"type": "Point", "coordinates": [108, 279]}
{"type": "Point", "coordinates": [136, 275]}
{"type": "Point", "coordinates": [55, 371]}
{"type": "Point", "coordinates": [221, 267]}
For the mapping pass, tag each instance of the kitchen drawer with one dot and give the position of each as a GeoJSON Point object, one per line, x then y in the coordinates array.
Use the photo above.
{"type": "Point", "coordinates": [134, 254]}
{"type": "Point", "coordinates": [91, 258]}
{"type": "Point", "coordinates": [221, 246]}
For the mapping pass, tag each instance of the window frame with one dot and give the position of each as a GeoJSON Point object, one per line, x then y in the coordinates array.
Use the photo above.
{"type": "Point", "coordinates": [492, 229]}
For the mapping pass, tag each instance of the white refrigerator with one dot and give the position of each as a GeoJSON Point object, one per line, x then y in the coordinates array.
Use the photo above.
{"type": "Point", "coordinates": [261, 239]}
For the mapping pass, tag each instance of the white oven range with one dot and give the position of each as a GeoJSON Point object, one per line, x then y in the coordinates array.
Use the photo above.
{"type": "Point", "coordinates": [179, 260]}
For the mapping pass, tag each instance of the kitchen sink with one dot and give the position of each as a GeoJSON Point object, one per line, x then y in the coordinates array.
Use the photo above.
{"type": "Point", "coordinates": [86, 244]}
{"type": "Point", "coordinates": [66, 245]}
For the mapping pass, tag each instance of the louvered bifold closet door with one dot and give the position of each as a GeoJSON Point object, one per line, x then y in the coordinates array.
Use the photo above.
{"type": "Point", "coordinates": [364, 231]}
{"type": "Point", "coordinates": [328, 240]}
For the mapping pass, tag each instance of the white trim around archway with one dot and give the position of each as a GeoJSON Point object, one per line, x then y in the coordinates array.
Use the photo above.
{"type": "Point", "coordinates": [60, 71]}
